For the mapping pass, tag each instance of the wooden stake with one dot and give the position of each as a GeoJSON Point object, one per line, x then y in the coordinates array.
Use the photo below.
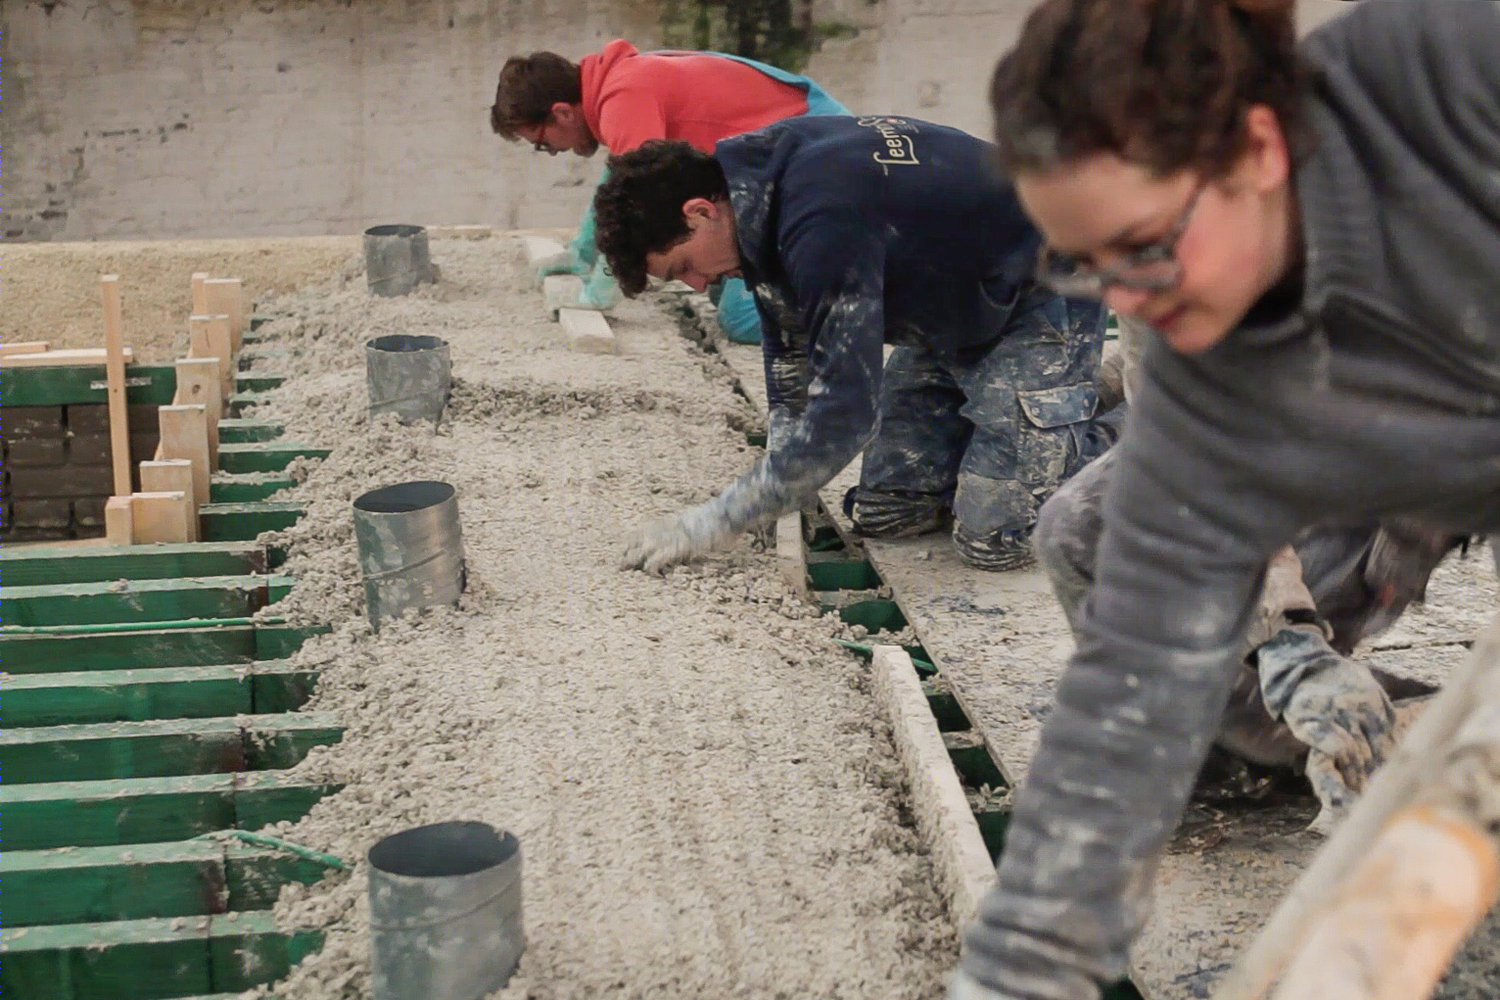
{"type": "Point", "coordinates": [24, 347]}
{"type": "Point", "coordinates": [184, 434]}
{"type": "Point", "coordinates": [198, 381]}
{"type": "Point", "coordinates": [172, 476]}
{"type": "Point", "coordinates": [162, 517]}
{"type": "Point", "coordinates": [791, 553]}
{"type": "Point", "coordinates": [226, 296]}
{"type": "Point", "coordinates": [119, 523]}
{"type": "Point", "coordinates": [1428, 880]}
{"type": "Point", "coordinates": [114, 346]}
{"type": "Point", "coordinates": [200, 293]}
{"type": "Point", "coordinates": [208, 337]}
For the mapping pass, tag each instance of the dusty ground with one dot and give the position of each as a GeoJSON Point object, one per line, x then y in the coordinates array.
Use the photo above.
{"type": "Point", "coordinates": [707, 798]}
{"type": "Point", "coordinates": [51, 290]}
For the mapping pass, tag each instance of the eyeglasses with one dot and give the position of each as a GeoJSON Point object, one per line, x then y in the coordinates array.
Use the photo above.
{"type": "Point", "coordinates": [540, 144]}
{"type": "Point", "coordinates": [1153, 268]}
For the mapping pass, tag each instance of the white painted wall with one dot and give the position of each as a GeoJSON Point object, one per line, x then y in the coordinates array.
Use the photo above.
{"type": "Point", "coordinates": [204, 118]}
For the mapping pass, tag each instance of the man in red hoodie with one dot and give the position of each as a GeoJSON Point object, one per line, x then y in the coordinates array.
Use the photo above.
{"type": "Point", "coordinates": [620, 98]}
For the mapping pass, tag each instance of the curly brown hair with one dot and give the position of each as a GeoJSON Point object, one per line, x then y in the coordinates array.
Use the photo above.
{"type": "Point", "coordinates": [638, 209]}
{"type": "Point", "coordinates": [1162, 83]}
{"type": "Point", "coordinates": [529, 86]}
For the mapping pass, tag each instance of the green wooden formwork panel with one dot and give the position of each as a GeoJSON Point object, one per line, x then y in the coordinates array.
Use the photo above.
{"type": "Point", "coordinates": [224, 522]}
{"type": "Point", "coordinates": [152, 959]}
{"type": "Point", "coordinates": [265, 456]}
{"type": "Point", "coordinates": [158, 748]}
{"type": "Point", "coordinates": [65, 385]}
{"type": "Point", "coordinates": [235, 430]}
{"type": "Point", "coordinates": [50, 565]}
{"type": "Point", "coordinates": [147, 810]}
{"type": "Point", "coordinates": [136, 695]}
{"type": "Point", "coordinates": [258, 381]}
{"type": "Point", "coordinates": [79, 885]}
{"type": "Point", "coordinates": [133, 647]}
{"type": "Point", "coordinates": [141, 601]}
{"type": "Point", "coordinates": [247, 487]}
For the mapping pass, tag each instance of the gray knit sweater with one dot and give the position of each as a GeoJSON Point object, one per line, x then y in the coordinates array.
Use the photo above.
{"type": "Point", "coordinates": [1378, 396]}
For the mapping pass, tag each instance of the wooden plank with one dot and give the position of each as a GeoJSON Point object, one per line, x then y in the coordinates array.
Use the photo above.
{"type": "Point", "coordinates": [119, 520]}
{"type": "Point", "coordinates": [84, 384]}
{"type": "Point", "coordinates": [258, 381]}
{"type": "Point", "coordinates": [791, 554]}
{"type": "Point", "coordinates": [133, 647]}
{"type": "Point", "coordinates": [246, 487]}
{"type": "Point", "coordinates": [942, 811]}
{"type": "Point", "coordinates": [241, 402]}
{"type": "Point", "coordinates": [24, 567]}
{"type": "Point", "coordinates": [265, 456]}
{"type": "Point", "coordinates": [198, 382]}
{"type": "Point", "coordinates": [184, 434]}
{"type": "Point", "coordinates": [149, 810]}
{"type": "Point", "coordinates": [162, 517]}
{"type": "Point", "coordinates": [141, 601]}
{"type": "Point", "coordinates": [208, 337]}
{"type": "Point", "coordinates": [263, 687]}
{"type": "Point", "coordinates": [174, 477]}
{"type": "Point", "coordinates": [25, 347]}
{"type": "Point", "coordinates": [115, 358]}
{"type": "Point", "coordinates": [226, 296]}
{"type": "Point", "coordinates": [70, 357]}
{"type": "Point", "coordinates": [223, 522]}
{"type": "Point", "coordinates": [237, 430]}
{"type": "Point", "coordinates": [158, 748]}
{"type": "Point", "coordinates": [587, 330]}
{"type": "Point", "coordinates": [176, 879]}
{"type": "Point", "coordinates": [150, 959]}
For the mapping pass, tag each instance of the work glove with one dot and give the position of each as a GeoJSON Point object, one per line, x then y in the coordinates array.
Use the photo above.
{"type": "Point", "coordinates": [675, 539]}
{"type": "Point", "coordinates": [966, 987]}
{"type": "Point", "coordinates": [600, 291]}
{"type": "Point", "coordinates": [565, 261]}
{"type": "Point", "coordinates": [1333, 705]}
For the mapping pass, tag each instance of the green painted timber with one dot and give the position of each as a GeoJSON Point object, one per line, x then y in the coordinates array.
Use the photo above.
{"type": "Point", "coordinates": [44, 565]}
{"type": "Point", "coordinates": [993, 824]}
{"type": "Point", "coordinates": [874, 615]}
{"type": "Point", "coordinates": [826, 573]}
{"type": "Point", "coordinates": [239, 402]}
{"type": "Point", "coordinates": [141, 601]}
{"type": "Point", "coordinates": [235, 430]}
{"type": "Point", "coordinates": [258, 320]}
{"type": "Point", "coordinates": [187, 878]}
{"type": "Point", "coordinates": [265, 456]}
{"type": "Point", "coordinates": [151, 959]}
{"type": "Point", "coordinates": [226, 522]}
{"type": "Point", "coordinates": [67, 384]}
{"type": "Point", "coordinates": [246, 487]}
{"type": "Point", "coordinates": [258, 381]}
{"type": "Point", "coordinates": [972, 760]}
{"type": "Point", "coordinates": [149, 810]}
{"type": "Point", "coordinates": [133, 647]}
{"type": "Point", "coordinates": [158, 748]}
{"type": "Point", "coordinates": [945, 708]}
{"type": "Point", "coordinates": [76, 698]}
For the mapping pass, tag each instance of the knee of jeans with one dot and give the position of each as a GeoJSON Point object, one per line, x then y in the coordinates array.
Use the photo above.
{"type": "Point", "coordinates": [993, 521]}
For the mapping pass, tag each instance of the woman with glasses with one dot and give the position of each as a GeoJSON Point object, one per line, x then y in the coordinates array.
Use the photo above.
{"type": "Point", "coordinates": [1313, 235]}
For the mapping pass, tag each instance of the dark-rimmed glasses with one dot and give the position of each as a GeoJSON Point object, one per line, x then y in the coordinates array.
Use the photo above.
{"type": "Point", "coordinates": [1153, 268]}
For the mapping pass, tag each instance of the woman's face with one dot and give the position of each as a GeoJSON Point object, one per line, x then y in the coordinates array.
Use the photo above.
{"type": "Point", "coordinates": [1213, 247]}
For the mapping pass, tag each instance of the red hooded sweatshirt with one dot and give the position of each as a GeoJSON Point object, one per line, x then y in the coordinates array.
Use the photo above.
{"type": "Point", "coordinates": [629, 98]}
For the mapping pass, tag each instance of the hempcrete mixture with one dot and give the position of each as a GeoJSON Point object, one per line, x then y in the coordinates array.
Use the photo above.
{"type": "Point", "coordinates": [706, 793]}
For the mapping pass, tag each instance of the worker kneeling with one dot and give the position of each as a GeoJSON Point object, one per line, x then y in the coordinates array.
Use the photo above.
{"type": "Point", "coordinates": [853, 233]}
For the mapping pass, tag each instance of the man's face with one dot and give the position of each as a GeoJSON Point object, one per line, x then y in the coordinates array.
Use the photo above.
{"type": "Point", "coordinates": [565, 129]}
{"type": "Point", "coordinates": [709, 253]}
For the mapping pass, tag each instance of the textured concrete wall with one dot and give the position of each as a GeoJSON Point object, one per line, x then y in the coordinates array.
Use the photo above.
{"type": "Point", "coordinates": [205, 118]}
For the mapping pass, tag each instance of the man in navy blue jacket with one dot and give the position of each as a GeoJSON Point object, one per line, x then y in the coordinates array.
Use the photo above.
{"type": "Point", "coordinates": [853, 233]}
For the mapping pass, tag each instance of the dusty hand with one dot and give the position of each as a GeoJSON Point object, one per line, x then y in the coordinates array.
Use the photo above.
{"type": "Point", "coordinates": [662, 544]}
{"type": "Point", "coordinates": [1333, 705]}
{"type": "Point", "coordinates": [565, 261]}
